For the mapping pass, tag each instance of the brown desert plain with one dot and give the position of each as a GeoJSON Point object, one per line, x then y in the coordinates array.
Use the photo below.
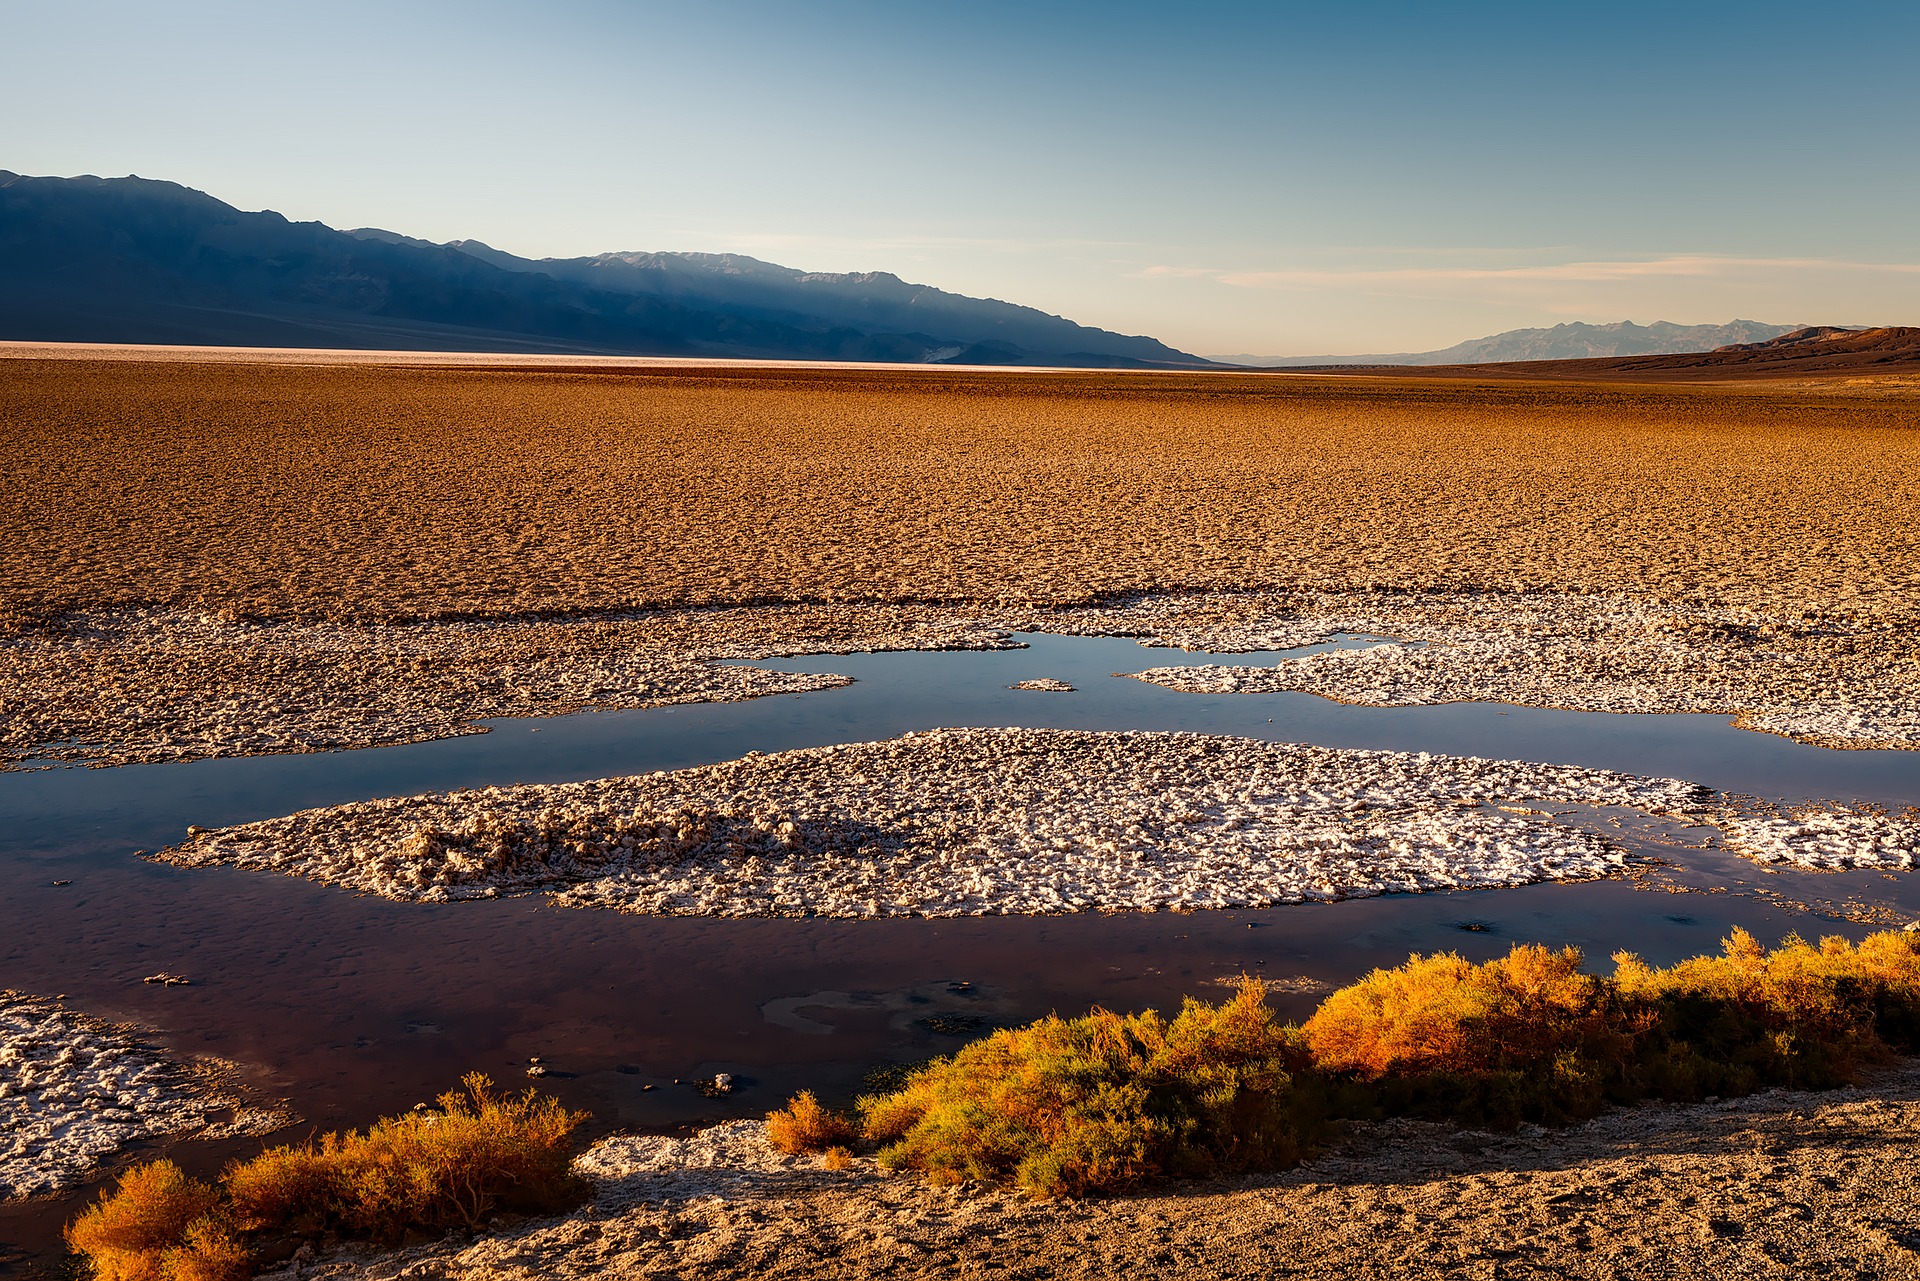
{"type": "Point", "coordinates": [388, 492]}
{"type": "Point", "coordinates": [198, 550]}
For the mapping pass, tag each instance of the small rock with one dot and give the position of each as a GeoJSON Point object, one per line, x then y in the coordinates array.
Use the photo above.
{"type": "Point", "coordinates": [536, 1070]}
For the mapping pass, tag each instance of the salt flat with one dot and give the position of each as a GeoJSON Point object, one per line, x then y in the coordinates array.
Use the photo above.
{"type": "Point", "coordinates": [280, 490]}
{"type": "Point", "coordinates": [212, 554]}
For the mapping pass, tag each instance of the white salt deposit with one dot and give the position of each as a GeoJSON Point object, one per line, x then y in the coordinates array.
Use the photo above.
{"type": "Point", "coordinates": [74, 1091]}
{"type": "Point", "coordinates": [113, 688]}
{"type": "Point", "coordinates": [156, 685]}
{"type": "Point", "coordinates": [971, 822]}
{"type": "Point", "coordinates": [1827, 683]}
{"type": "Point", "coordinates": [1828, 839]}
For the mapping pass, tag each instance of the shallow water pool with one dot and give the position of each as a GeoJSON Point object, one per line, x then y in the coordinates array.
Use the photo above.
{"type": "Point", "coordinates": [356, 1006]}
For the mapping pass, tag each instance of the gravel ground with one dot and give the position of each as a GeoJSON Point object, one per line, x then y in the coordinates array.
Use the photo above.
{"type": "Point", "coordinates": [1778, 1185]}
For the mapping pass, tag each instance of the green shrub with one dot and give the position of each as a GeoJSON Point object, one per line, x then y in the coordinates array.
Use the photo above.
{"type": "Point", "coordinates": [1102, 1102]}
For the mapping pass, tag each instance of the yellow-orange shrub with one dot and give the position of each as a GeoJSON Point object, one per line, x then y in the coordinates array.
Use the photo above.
{"type": "Point", "coordinates": [1102, 1102]}
{"type": "Point", "coordinates": [481, 1152]}
{"type": "Point", "coordinates": [1442, 1013]}
{"type": "Point", "coordinates": [1799, 1015]}
{"type": "Point", "coordinates": [804, 1126]}
{"type": "Point", "coordinates": [140, 1230]}
{"type": "Point", "coordinates": [434, 1170]}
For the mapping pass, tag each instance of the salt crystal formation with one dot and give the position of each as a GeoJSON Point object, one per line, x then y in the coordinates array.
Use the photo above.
{"type": "Point", "coordinates": [160, 685]}
{"type": "Point", "coordinates": [1821, 682]}
{"type": "Point", "coordinates": [1828, 839]}
{"type": "Point", "coordinates": [151, 685]}
{"type": "Point", "coordinates": [970, 822]}
{"type": "Point", "coordinates": [73, 1091]}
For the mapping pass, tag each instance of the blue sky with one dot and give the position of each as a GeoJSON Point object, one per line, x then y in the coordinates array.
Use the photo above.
{"type": "Point", "coordinates": [1275, 178]}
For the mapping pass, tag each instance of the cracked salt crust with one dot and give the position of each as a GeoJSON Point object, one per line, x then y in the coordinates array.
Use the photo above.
{"type": "Point", "coordinates": [116, 688]}
{"type": "Point", "coordinates": [970, 822]}
{"type": "Point", "coordinates": [1828, 839]}
{"type": "Point", "coordinates": [142, 686]}
{"type": "Point", "coordinates": [1825, 683]}
{"type": "Point", "coordinates": [74, 1091]}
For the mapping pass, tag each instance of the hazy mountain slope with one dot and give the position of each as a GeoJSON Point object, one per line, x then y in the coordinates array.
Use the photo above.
{"type": "Point", "coordinates": [870, 300]}
{"type": "Point", "coordinates": [1889, 352]}
{"type": "Point", "coordinates": [134, 260]}
{"type": "Point", "coordinates": [1572, 341]}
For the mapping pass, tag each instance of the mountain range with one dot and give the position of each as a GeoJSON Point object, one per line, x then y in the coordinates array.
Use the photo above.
{"type": "Point", "coordinates": [132, 260]}
{"type": "Point", "coordinates": [1572, 341]}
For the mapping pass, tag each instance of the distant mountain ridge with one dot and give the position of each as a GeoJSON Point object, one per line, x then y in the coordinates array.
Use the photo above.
{"type": "Point", "coordinates": [1574, 340]}
{"type": "Point", "coordinates": [135, 260]}
{"type": "Point", "coordinates": [1889, 353]}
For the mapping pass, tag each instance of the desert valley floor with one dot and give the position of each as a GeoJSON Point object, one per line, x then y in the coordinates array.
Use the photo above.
{"type": "Point", "coordinates": [432, 713]}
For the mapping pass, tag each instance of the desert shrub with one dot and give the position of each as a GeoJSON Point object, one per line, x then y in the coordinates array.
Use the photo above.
{"type": "Point", "coordinates": [146, 1228]}
{"type": "Point", "coordinates": [210, 1252]}
{"type": "Point", "coordinates": [1800, 1015]}
{"type": "Point", "coordinates": [1105, 1101]}
{"type": "Point", "coordinates": [480, 1153]}
{"type": "Point", "coordinates": [284, 1188]}
{"type": "Point", "coordinates": [804, 1126]}
{"type": "Point", "coordinates": [1102, 1102]}
{"type": "Point", "coordinates": [1524, 1037]}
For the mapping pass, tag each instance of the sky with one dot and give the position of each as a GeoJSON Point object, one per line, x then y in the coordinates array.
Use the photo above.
{"type": "Point", "coordinates": [1274, 179]}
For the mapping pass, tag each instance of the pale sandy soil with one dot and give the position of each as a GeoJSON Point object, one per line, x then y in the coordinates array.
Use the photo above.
{"type": "Point", "coordinates": [1778, 1185]}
